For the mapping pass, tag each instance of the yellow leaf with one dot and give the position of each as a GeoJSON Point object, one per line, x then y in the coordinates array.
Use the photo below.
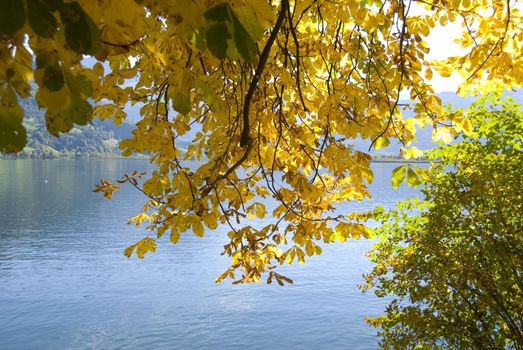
{"type": "Point", "coordinates": [443, 134]}
{"type": "Point", "coordinates": [144, 246]}
{"type": "Point", "coordinates": [260, 210]}
{"type": "Point", "coordinates": [129, 250]}
{"type": "Point", "coordinates": [413, 178]}
{"type": "Point", "coordinates": [175, 235]}
{"type": "Point", "coordinates": [52, 99]}
{"type": "Point", "coordinates": [300, 255]}
{"type": "Point", "coordinates": [412, 152]}
{"type": "Point", "coordinates": [398, 175]}
{"type": "Point", "coordinates": [197, 227]}
{"type": "Point", "coordinates": [428, 74]}
{"type": "Point", "coordinates": [210, 221]}
{"type": "Point", "coordinates": [309, 248]}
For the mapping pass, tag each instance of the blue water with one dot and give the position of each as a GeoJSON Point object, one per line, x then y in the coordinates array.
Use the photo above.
{"type": "Point", "coordinates": [65, 284]}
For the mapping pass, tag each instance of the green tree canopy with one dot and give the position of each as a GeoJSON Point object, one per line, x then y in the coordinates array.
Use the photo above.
{"type": "Point", "coordinates": [455, 268]}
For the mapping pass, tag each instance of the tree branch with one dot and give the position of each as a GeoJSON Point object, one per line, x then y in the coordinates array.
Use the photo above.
{"type": "Point", "coordinates": [246, 140]}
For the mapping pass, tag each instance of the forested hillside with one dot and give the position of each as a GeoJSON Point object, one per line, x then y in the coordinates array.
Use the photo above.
{"type": "Point", "coordinates": [98, 139]}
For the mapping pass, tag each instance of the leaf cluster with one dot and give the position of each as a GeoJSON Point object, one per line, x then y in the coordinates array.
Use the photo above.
{"type": "Point", "coordinates": [453, 264]}
{"type": "Point", "coordinates": [270, 95]}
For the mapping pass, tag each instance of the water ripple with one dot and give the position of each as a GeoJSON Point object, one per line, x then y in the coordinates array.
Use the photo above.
{"type": "Point", "coordinates": [64, 283]}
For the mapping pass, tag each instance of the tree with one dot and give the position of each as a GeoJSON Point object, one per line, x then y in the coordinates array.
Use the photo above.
{"type": "Point", "coordinates": [455, 268]}
{"type": "Point", "coordinates": [269, 88]}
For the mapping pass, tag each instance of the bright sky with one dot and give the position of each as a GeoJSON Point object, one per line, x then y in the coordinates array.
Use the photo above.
{"type": "Point", "coordinates": [441, 46]}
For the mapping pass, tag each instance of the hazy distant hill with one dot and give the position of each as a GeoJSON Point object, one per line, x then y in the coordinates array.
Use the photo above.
{"type": "Point", "coordinates": [98, 139]}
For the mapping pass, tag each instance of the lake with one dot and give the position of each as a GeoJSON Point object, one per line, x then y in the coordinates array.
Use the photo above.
{"type": "Point", "coordinates": [65, 284]}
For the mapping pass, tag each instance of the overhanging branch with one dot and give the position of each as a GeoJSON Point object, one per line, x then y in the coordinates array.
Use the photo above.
{"type": "Point", "coordinates": [246, 140]}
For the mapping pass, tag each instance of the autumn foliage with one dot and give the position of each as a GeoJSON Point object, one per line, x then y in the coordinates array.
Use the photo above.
{"type": "Point", "coordinates": [275, 92]}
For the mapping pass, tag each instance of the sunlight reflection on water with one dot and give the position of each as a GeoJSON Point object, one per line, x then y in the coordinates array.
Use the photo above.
{"type": "Point", "coordinates": [64, 283]}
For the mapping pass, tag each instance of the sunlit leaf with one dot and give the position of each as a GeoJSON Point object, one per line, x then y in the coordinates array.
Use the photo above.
{"type": "Point", "coordinates": [412, 178]}
{"type": "Point", "coordinates": [398, 175]}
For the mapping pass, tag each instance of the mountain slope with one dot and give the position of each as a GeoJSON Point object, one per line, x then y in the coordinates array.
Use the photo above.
{"type": "Point", "coordinates": [98, 139]}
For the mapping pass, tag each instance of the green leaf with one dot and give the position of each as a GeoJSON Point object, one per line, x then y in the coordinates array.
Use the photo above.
{"type": "Point", "coordinates": [9, 73]}
{"type": "Point", "coordinates": [218, 13]}
{"type": "Point", "coordinates": [220, 30]}
{"type": "Point", "coordinates": [413, 178]}
{"type": "Point", "coordinates": [53, 77]}
{"type": "Point", "coordinates": [377, 213]}
{"type": "Point", "coordinates": [51, 99]}
{"type": "Point", "coordinates": [199, 40]}
{"type": "Point", "coordinates": [81, 32]}
{"type": "Point", "coordinates": [40, 18]}
{"type": "Point", "coordinates": [244, 42]}
{"type": "Point", "coordinates": [44, 59]}
{"type": "Point", "coordinates": [54, 5]}
{"type": "Point", "coordinates": [79, 84]}
{"type": "Point", "coordinates": [62, 118]}
{"type": "Point", "coordinates": [211, 97]}
{"type": "Point", "coordinates": [12, 16]}
{"type": "Point", "coordinates": [181, 103]}
{"type": "Point", "coordinates": [81, 111]}
{"type": "Point", "coordinates": [217, 36]}
{"type": "Point", "coordinates": [398, 175]}
{"type": "Point", "coordinates": [13, 137]}
{"type": "Point", "coordinates": [381, 142]}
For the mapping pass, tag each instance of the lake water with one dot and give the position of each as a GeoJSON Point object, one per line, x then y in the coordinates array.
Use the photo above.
{"type": "Point", "coordinates": [65, 284]}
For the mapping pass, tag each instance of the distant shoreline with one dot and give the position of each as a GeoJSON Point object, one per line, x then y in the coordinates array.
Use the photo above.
{"type": "Point", "coordinates": [399, 161]}
{"type": "Point", "coordinates": [142, 157]}
{"type": "Point", "coordinates": [108, 156]}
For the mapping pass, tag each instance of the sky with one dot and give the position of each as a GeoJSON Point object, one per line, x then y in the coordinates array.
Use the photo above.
{"type": "Point", "coordinates": [441, 46]}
